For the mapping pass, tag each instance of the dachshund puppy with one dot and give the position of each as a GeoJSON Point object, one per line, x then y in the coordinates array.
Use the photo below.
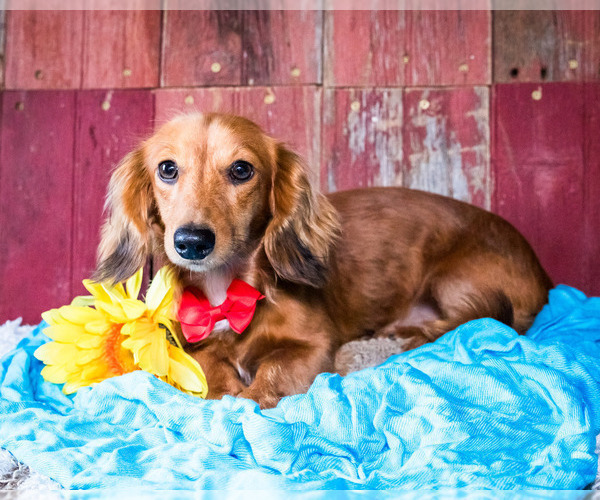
{"type": "Point", "coordinates": [225, 203]}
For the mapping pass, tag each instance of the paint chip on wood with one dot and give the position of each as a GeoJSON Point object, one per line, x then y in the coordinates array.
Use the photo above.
{"type": "Point", "coordinates": [355, 106]}
{"type": "Point", "coordinates": [424, 104]}
{"type": "Point", "coordinates": [463, 68]}
{"type": "Point", "coordinates": [536, 95]}
{"type": "Point", "coordinates": [295, 72]}
{"type": "Point", "coordinates": [189, 100]}
{"type": "Point", "coordinates": [573, 64]}
{"type": "Point", "coordinates": [215, 67]}
{"type": "Point", "coordinates": [105, 105]}
{"type": "Point", "coordinates": [127, 72]}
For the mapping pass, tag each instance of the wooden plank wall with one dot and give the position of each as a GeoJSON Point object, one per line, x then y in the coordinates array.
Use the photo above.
{"type": "Point", "coordinates": [498, 108]}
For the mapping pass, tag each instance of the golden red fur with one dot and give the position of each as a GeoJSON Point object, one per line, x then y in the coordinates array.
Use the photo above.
{"type": "Point", "coordinates": [380, 262]}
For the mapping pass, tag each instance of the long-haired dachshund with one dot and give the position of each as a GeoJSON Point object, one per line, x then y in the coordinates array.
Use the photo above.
{"type": "Point", "coordinates": [232, 209]}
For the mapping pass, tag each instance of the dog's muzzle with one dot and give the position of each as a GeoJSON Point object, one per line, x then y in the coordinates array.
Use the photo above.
{"type": "Point", "coordinates": [194, 243]}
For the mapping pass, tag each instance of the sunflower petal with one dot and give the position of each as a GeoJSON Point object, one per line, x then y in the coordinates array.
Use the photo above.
{"type": "Point", "coordinates": [52, 316]}
{"type": "Point", "coordinates": [133, 284]}
{"type": "Point", "coordinates": [83, 301]}
{"type": "Point", "coordinates": [64, 332]}
{"type": "Point", "coordinates": [97, 290]}
{"type": "Point", "coordinates": [115, 312]}
{"type": "Point", "coordinates": [79, 315]}
{"type": "Point", "coordinates": [186, 372]}
{"type": "Point", "coordinates": [56, 353]}
{"type": "Point", "coordinates": [160, 291]}
{"type": "Point", "coordinates": [55, 374]}
{"type": "Point", "coordinates": [133, 308]}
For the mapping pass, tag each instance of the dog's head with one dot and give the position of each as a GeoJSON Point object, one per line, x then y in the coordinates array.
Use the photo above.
{"type": "Point", "coordinates": [208, 191]}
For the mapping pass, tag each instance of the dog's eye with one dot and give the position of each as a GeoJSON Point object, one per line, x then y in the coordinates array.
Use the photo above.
{"type": "Point", "coordinates": [241, 171]}
{"type": "Point", "coordinates": [168, 171]}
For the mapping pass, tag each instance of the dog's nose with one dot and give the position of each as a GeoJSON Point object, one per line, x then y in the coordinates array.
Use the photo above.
{"type": "Point", "coordinates": [194, 243]}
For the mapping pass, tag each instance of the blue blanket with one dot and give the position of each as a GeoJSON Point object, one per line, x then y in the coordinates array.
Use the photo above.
{"type": "Point", "coordinates": [481, 408]}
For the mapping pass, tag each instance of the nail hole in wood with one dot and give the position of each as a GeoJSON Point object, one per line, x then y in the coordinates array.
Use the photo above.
{"type": "Point", "coordinates": [19, 106]}
{"type": "Point", "coordinates": [39, 74]}
{"type": "Point", "coordinates": [514, 72]}
{"type": "Point", "coordinates": [544, 72]}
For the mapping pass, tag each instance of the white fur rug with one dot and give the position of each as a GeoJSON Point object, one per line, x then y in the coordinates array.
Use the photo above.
{"type": "Point", "coordinates": [353, 356]}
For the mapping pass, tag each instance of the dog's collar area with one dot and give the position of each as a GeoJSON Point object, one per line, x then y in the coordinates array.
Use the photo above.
{"type": "Point", "coordinates": [198, 317]}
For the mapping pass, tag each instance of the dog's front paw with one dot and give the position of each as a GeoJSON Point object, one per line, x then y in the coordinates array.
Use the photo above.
{"type": "Point", "coordinates": [265, 399]}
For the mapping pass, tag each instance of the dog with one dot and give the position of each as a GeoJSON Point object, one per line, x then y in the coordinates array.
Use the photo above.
{"type": "Point", "coordinates": [223, 202]}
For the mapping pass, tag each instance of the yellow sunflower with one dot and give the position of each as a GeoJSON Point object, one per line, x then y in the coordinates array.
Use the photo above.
{"type": "Point", "coordinates": [112, 332]}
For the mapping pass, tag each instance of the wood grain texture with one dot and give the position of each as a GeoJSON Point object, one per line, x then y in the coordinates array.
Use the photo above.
{"type": "Point", "coordinates": [591, 263]}
{"type": "Point", "coordinates": [546, 46]}
{"type": "Point", "coordinates": [446, 143]}
{"type": "Point", "coordinates": [362, 138]}
{"type": "Point", "coordinates": [202, 48]}
{"type": "Point", "coordinates": [43, 49]}
{"type": "Point", "coordinates": [121, 49]}
{"type": "Point", "coordinates": [407, 48]}
{"type": "Point", "coordinates": [282, 47]}
{"type": "Point", "coordinates": [2, 45]}
{"type": "Point", "coordinates": [430, 139]}
{"type": "Point", "coordinates": [251, 47]}
{"type": "Point", "coordinates": [540, 172]}
{"type": "Point", "coordinates": [36, 189]}
{"type": "Point", "coordinates": [109, 124]}
{"type": "Point", "coordinates": [290, 114]}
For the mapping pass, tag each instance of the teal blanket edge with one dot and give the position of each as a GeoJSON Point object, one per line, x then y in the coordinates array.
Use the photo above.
{"type": "Point", "coordinates": [480, 408]}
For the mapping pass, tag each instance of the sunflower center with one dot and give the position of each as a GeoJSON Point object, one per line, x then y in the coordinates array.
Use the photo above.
{"type": "Point", "coordinates": [119, 360]}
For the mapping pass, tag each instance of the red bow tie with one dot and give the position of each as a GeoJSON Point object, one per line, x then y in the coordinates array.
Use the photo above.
{"type": "Point", "coordinates": [198, 317]}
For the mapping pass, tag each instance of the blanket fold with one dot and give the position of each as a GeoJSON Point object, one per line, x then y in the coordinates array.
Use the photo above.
{"type": "Point", "coordinates": [481, 408]}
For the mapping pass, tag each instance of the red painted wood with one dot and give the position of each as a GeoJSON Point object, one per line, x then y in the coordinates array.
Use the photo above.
{"type": "Point", "coordinates": [121, 49]}
{"type": "Point", "coordinates": [446, 143]}
{"type": "Point", "coordinates": [282, 47]}
{"type": "Point", "coordinates": [109, 125]}
{"type": "Point", "coordinates": [435, 140]}
{"type": "Point", "coordinates": [36, 189]}
{"type": "Point", "coordinates": [407, 48]}
{"type": "Point", "coordinates": [43, 49]}
{"type": "Point", "coordinates": [591, 263]}
{"type": "Point", "coordinates": [202, 48]}
{"type": "Point", "coordinates": [362, 138]}
{"type": "Point", "coordinates": [252, 47]}
{"type": "Point", "coordinates": [539, 169]}
{"type": "Point", "coordinates": [291, 114]}
{"type": "Point", "coordinates": [554, 45]}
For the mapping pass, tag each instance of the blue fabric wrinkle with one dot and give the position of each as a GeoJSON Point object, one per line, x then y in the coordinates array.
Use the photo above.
{"type": "Point", "coordinates": [482, 407]}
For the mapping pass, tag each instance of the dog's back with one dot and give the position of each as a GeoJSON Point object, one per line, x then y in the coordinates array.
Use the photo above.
{"type": "Point", "coordinates": [409, 261]}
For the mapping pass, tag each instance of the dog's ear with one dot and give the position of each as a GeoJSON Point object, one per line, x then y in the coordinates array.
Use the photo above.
{"type": "Point", "coordinates": [304, 226]}
{"type": "Point", "coordinates": [127, 234]}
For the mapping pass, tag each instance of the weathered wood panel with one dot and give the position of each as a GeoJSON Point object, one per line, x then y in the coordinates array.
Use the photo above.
{"type": "Point", "coordinates": [43, 49]}
{"type": "Point", "coordinates": [291, 114]}
{"type": "Point", "coordinates": [36, 189]}
{"type": "Point", "coordinates": [433, 139]}
{"type": "Point", "coordinates": [540, 172]}
{"type": "Point", "coordinates": [446, 143]}
{"type": "Point", "coordinates": [252, 47]}
{"type": "Point", "coordinates": [109, 125]}
{"type": "Point", "coordinates": [538, 46]}
{"type": "Point", "coordinates": [202, 48]}
{"type": "Point", "coordinates": [2, 45]}
{"type": "Point", "coordinates": [362, 138]}
{"type": "Point", "coordinates": [282, 47]}
{"type": "Point", "coordinates": [121, 49]}
{"type": "Point", "coordinates": [591, 264]}
{"type": "Point", "coordinates": [407, 48]}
